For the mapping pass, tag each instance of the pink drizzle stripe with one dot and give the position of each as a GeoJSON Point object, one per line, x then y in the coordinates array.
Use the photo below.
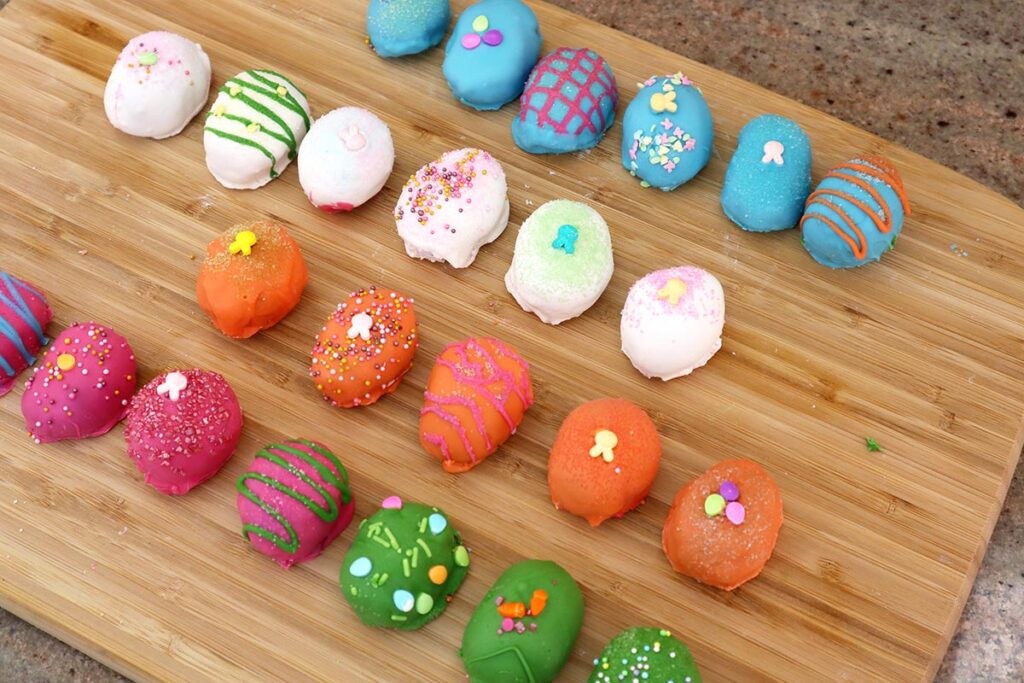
{"type": "Point", "coordinates": [450, 419]}
{"type": "Point", "coordinates": [441, 443]}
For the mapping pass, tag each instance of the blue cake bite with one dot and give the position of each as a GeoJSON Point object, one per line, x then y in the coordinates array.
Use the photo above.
{"type": "Point", "coordinates": [769, 176]}
{"type": "Point", "coordinates": [855, 214]}
{"type": "Point", "coordinates": [406, 27]}
{"type": "Point", "coordinates": [568, 104]}
{"type": "Point", "coordinates": [490, 53]}
{"type": "Point", "coordinates": [667, 132]}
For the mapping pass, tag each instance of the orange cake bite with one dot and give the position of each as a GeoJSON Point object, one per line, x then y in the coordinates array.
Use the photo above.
{"type": "Point", "coordinates": [253, 276]}
{"type": "Point", "coordinates": [722, 527]}
{"type": "Point", "coordinates": [476, 396]}
{"type": "Point", "coordinates": [604, 460]}
{"type": "Point", "coordinates": [365, 348]}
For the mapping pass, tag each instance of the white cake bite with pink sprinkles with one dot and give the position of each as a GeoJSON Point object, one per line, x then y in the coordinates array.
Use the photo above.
{"type": "Point", "coordinates": [672, 321]}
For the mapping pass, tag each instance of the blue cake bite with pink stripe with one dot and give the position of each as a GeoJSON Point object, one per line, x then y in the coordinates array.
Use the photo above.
{"type": "Point", "coordinates": [24, 315]}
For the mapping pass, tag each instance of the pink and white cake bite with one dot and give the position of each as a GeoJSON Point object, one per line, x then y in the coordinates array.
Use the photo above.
{"type": "Point", "coordinates": [453, 206]}
{"type": "Point", "coordinates": [294, 500]}
{"type": "Point", "coordinates": [159, 82]}
{"type": "Point", "coordinates": [82, 386]}
{"type": "Point", "coordinates": [672, 321]}
{"type": "Point", "coordinates": [181, 429]}
{"type": "Point", "coordinates": [345, 159]}
{"type": "Point", "coordinates": [24, 315]}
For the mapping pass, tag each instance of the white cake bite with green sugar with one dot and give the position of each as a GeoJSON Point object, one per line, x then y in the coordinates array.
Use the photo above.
{"type": "Point", "coordinates": [254, 129]}
{"type": "Point", "coordinates": [563, 261]}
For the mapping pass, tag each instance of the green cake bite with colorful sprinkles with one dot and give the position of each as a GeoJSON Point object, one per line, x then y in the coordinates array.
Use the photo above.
{"type": "Point", "coordinates": [648, 655]}
{"type": "Point", "coordinates": [404, 566]}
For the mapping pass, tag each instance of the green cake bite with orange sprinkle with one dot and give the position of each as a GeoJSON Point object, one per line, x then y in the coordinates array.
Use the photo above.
{"type": "Point", "coordinates": [404, 566]}
{"type": "Point", "coordinates": [651, 655]}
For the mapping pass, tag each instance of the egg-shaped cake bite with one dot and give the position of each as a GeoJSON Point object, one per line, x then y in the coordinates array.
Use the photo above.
{"type": "Point", "coordinates": [254, 129]}
{"type": "Point", "coordinates": [345, 159]}
{"type": "Point", "coordinates": [404, 565]}
{"type": "Point", "coordinates": [24, 315]}
{"type": "Point", "coordinates": [524, 629]}
{"type": "Point", "coordinates": [672, 321]}
{"type": "Point", "coordinates": [294, 500]}
{"type": "Point", "coordinates": [406, 27]}
{"type": "Point", "coordinates": [476, 397]}
{"type": "Point", "coordinates": [252, 277]}
{"type": "Point", "coordinates": [855, 214]}
{"type": "Point", "coordinates": [489, 55]}
{"type": "Point", "coordinates": [181, 429]}
{"type": "Point", "coordinates": [568, 103]}
{"type": "Point", "coordinates": [82, 387]}
{"type": "Point", "coordinates": [667, 132]}
{"type": "Point", "coordinates": [769, 176]}
{"type": "Point", "coordinates": [453, 206]}
{"type": "Point", "coordinates": [159, 82]}
{"type": "Point", "coordinates": [651, 655]}
{"type": "Point", "coordinates": [723, 526]}
{"type": "Point", "coordinates": [365, 348]}
{"type": "Point", "coordinates": [604, 460]}
{"type": "Point", "coordinates": [562, 261]}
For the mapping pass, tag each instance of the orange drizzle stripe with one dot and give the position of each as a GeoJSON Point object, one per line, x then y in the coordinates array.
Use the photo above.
{"type": "Point", "coordinates": [866, 186]}
{"type": "Point", "coordinates": [871, 213]}
{"type": "Point", "coordinates": [858, 251]}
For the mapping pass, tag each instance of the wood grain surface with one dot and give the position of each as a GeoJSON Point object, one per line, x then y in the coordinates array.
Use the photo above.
{"type": "Point", "coordinates": [922, 352]}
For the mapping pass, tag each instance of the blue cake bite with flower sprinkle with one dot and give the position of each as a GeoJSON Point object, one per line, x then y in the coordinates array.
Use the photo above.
{"type": "Point", "coordinates": [406, 27]}
{"type": "Point", "coordinates": [490, 53]}
{"type": "Point", "coordinates": [667, 132]}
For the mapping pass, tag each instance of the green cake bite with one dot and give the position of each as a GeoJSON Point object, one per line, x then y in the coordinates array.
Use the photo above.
{"type": "Point", "coordinates": [404, 566]}
{"type": "Point", "coordinates": [650, 655]}
{"type": "Point", "coordinates": [524, 628]}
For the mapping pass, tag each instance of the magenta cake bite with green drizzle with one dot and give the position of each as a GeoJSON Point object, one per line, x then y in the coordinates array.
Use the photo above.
{"type": "Point", "coordinates": [404, 566]}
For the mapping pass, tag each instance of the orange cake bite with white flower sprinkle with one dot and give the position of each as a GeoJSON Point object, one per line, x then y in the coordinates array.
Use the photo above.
{"type": "Point", "coordinates": [365, 348]}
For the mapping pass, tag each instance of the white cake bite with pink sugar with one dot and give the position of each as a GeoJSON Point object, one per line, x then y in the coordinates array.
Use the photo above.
{"type": "Point", "coordinates": [453, 206]}
{"type": "Point", "coordinates": [159, 82]}
{"type": "Point", "coordinates": [345, 159]}
{"type": "Point", "coordinates": [672, 321]}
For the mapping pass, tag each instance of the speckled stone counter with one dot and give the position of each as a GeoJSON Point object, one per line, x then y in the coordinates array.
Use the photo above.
{"type": "Point", "coordinates": [943, 78]}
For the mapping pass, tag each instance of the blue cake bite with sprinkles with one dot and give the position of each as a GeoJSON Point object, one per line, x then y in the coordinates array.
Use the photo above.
{"type": "Point", "coordinates": [667, 132]}
{"type": "Point", "coordinates": [769, 176]}
{"type": "Point", "coordinates": [650, 655]}
{"type": "Point", "coordinates": [397, 28]}
{"type": "Point", "coordinates": [490, 53]}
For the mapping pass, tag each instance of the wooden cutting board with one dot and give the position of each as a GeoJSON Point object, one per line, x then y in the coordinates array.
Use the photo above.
{"type": "Point", "coordinates": [923, 352]}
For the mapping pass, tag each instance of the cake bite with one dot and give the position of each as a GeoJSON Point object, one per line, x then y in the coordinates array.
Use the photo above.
{"type": "Point", "coordinates": [855, 214]}
{"type": "Point", "coordinates": [404, 565]}
{"type": "Point", "coordinates": [489, 55]}
{"type": "Point", "coordinates": [252, 277]}
{"type": "Point", "coordinates": [604, 460]}
{"type": "Point", "coordinates": [406, 27]}
{"type": "Point", "coordinates": [181, 429]}
{"type": "Point", "coordinates": [159, 82]}
{"type": "Point", "coordinates": [476, 397]}
{"type": "Point", "coordinates": [667, 132]}
{"type": "Point", "coordinates": [82, 387]}
{"type": "Point", "coordinates": [769, 176]}
{"type": "Point", "coordinates": [652, 655]}
{"type": "Point", "coordinates": [365, 348]}
{"type": "Point", "coordinates": [672, 321]}
{"type": "Point", "coordinates": [562, 261]}
{"type": "Point", "coordinates": [24, 315]}
{"type": "Point", "coordinates": [568, 103]}
{"type": "Point", "coordinates": [524, 629]}
{"type": "Point", "coordinates": [294, 500]}
{"type": "Point", "coordinates": [345, 159]}
{"type": "Point", "coordinates": [723, 526]}
{"type": "Point", "coordinates": [453, 206]}
{"type": "Point", "coordinates": [254, 129]}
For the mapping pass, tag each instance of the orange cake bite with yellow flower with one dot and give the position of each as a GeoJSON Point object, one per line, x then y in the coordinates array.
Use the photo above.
{"type": "Point", "coordinates": [253, 276]}
{"type": "Point", "coordinates": [365, 347]}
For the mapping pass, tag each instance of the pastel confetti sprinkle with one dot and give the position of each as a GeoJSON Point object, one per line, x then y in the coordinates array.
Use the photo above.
{"type": "Point", "coordinates": [424, 603]}
{"type": "Point", "coordinates": [713, 505]}
{"type": "Point", "coordinates": [437, 523]}
{"type": "Point", "coordinates": [438, 574]}
{"type": "Point", "coordinates": [392, 503]}
{"type": "Point", "coordinates": [173, 385]}
{"type": "Point", "coordinates": [404, 601]}
{"type": "Point", "coordinates": [493, 37]}
{"type": "Point", "coordinates": [65, 361]}
{"type": "Point", "coordinates": [480, 24]}
{"type": "Point", "coordinates": [461, 556]}
{"type": "Point", "coordinates": [471, 41]}
{"type": "Point", "coordinates": [148, 58]}
{"type": "Point", "coordinates": [735, 513]}
{"type": "Point", "coordinates": [361, 567]}
{"type": "Point", "coordinates": [507, 624]}
{"type": "Point", "coordinates": [729, 491]}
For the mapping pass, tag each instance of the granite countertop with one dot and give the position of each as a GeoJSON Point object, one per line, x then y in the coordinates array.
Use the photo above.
{"type": "Point", "coordinates": [941, 77]}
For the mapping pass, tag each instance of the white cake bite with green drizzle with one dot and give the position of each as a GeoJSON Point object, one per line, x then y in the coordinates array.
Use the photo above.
{"type": "Point", "coordinates": [254, 129]}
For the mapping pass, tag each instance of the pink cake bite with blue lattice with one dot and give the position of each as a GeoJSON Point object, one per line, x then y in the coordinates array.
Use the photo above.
{"type": "Point", "coordinates": [568, 103]}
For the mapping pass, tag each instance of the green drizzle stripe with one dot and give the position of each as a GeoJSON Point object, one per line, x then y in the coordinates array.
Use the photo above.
{"type": "Point", "coordinates": [288, 100]}
{"type": "Point", "coordinates": [327, 512]}
{"type": "Point", "coordinates": [289, 134]}
{"type": "Point", "coordinates": [248, 122]}
{"type": "Point", "coordinates": [248, 143]}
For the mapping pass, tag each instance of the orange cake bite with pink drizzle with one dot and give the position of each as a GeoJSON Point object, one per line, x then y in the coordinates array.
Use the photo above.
{"type": "Point", "coordinates": [476, 396]}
